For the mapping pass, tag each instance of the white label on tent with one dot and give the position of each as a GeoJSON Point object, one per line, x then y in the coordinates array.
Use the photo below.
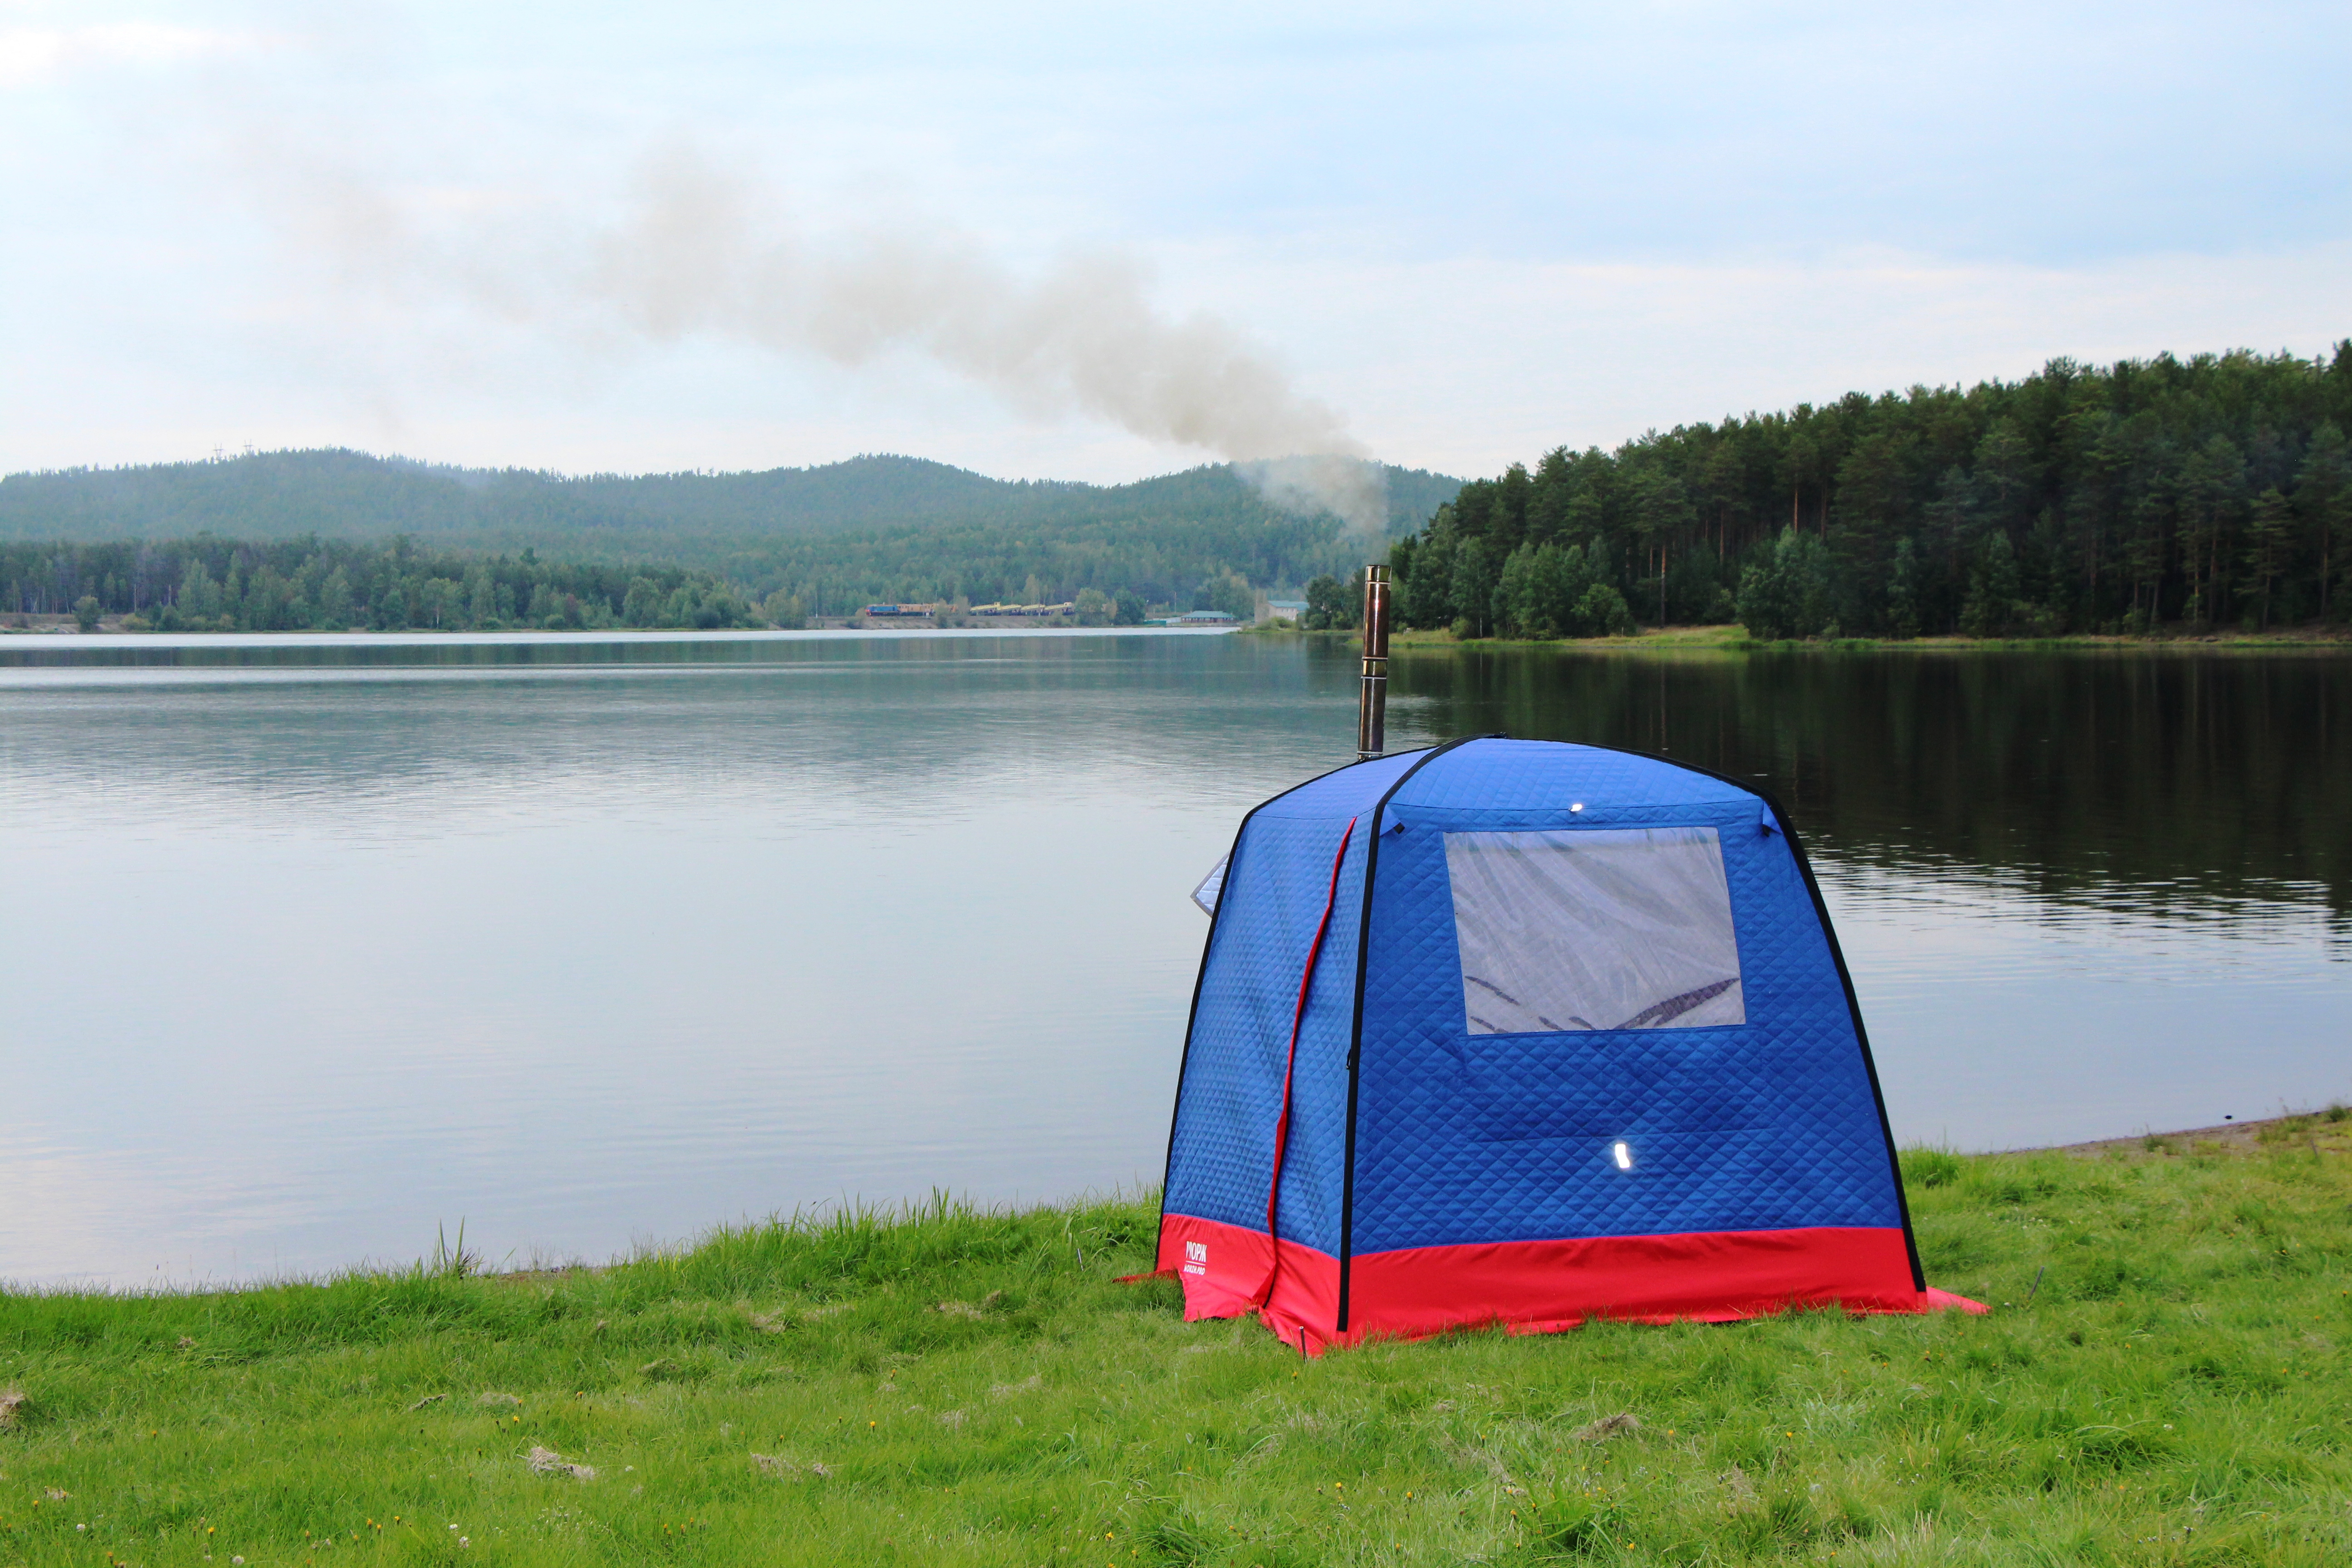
{"type": "Point", "coordinates": [1596, 929]}
{"type": "Point", "coordinates": [1205, 895]}
{"type": "Point", "coordinates": [1196, 1258]}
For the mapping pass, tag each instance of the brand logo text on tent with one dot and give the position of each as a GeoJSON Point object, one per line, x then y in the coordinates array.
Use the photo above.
{"type": "Point", "coordinates": [1196, 1258]}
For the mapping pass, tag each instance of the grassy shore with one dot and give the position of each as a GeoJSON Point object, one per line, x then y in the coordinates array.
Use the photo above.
{"type": "Point", "coordinates": [948, 1386]}
{"type": "Point", "coordinates": [1734, 638]}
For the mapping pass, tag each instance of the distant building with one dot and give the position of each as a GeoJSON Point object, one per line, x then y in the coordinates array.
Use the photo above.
{"type": "Point", "coordinates": [1285, 609]}
{"type": "Point", "coordinates": [1203, 618]}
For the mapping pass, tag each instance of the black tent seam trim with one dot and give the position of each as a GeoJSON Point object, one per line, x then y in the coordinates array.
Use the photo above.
{"type": "Point", "coordinates": [1192, 1015]}
{"type": "Point", "coordinates": [1861, 1038]}
{"type": "Point", "coordinates": [1356, 1029]}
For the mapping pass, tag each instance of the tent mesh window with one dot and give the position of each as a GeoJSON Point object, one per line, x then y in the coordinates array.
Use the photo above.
{"type": "Point", "coordinates": [1595, 928]}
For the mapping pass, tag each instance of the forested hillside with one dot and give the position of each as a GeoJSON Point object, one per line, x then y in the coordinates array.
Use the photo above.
{"type": "Point", "coordinates": [1196, 539]}
{"type": "Point", "coordinates": [338, 494]}
{"type": "Point", "coordinates": [869, 528]}
{"type": "Point", "coordinates": [872, 528]}
{"type": "Point", "coordinates": [2167, 493]}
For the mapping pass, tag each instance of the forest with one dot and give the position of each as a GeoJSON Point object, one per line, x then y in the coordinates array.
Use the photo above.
{"type": "Point", "coordinates": [2164, 495]}
{"type": "Point", "coordinates": [211, 585]}
{"type": "Point", "coordinates": [2167, 496]}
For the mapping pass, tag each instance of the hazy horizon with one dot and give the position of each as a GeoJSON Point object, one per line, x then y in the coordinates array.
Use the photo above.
{"type": "Point", "coordinates": [433, 465]}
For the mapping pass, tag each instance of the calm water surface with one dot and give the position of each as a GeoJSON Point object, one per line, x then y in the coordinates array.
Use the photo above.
{"type": "Point", "coordinates": [314, 945]}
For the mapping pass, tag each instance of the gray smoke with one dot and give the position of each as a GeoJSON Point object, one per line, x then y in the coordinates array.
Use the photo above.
{"type": "Point", "coordinates": [1354, 488]}
{"type": "Point", "coordinates": [703, 252]}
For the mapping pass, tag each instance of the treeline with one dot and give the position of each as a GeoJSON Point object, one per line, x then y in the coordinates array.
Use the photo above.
{"type": "Point", "coordinates": [2144, 496]}
{"type": "Point", "coordinates": [208, 583]}
{"type": "Point", "coordinates": [219, 585]}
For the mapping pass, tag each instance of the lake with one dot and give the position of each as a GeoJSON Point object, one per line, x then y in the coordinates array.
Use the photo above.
{"type": "Point", "coordinates": [317, 947]}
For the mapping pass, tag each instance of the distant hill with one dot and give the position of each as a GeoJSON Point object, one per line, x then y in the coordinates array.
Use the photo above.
{"type": "Point", "coordinates": [702, 518]}
{"type": "Point", "coordinates": [336, 493]}
{"type": "Point", "coordinates": [873, 527]}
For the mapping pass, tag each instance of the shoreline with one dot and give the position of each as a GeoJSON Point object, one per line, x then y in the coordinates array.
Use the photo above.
{"type": "Point", "coordinates": [1732, 639]}
{"type": "Point", "coordinates": [69, 641]}
{"type": "Point", "coordinates": [2332, 1123]}
{"type": "Point", "coordinates": [2328, 1129]}
{"type": "Point", "coordinates": [1722, 639]}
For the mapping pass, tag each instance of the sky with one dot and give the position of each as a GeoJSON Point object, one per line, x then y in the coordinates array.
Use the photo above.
{"type": "Point", "coordinates": [1056, 240]}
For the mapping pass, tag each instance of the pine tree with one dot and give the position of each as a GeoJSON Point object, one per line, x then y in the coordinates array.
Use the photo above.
{"type": "Point", "coordinates": [2323, 493]}
{"type": "Point", "coordinates": [1992, 605]}
{"type": "Point", "coordinates": [1902, 591]}
{"type": "Point", "coordinates": [2270, 546]}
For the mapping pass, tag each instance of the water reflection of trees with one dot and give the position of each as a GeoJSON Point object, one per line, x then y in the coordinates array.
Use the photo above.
{"type": "Point", "coordinates": [392, 733]}
{"type": "Point", "coordinates": [2157, 781]}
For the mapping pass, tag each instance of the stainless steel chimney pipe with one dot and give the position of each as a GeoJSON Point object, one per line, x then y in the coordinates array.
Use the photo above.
{"type": "Point", "coordinates": [1372, 712]}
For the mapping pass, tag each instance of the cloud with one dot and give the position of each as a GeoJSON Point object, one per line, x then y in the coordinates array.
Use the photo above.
{"type": "Point", "coordinates": [32, 55]}
{"type": "Point", "coordinates": [1470, 363]}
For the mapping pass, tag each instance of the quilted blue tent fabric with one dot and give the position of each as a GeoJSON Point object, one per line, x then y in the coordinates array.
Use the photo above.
{"type": "Point", "coordinates": [1772, 1124]}
{"type": "Point", "coordinates": [1276, 886]}
{"type": "Point", "coordinates": [1441, 1137]}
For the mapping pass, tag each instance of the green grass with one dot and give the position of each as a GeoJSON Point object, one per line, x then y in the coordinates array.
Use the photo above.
{"type": "Point", "coordinates": [1733, 638]}
{"type": "Point", "coordinates": [959, 1387]}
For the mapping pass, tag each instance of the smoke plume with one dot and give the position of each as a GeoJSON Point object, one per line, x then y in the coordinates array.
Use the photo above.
{"type": "Point", "coordinates": [702, 252]}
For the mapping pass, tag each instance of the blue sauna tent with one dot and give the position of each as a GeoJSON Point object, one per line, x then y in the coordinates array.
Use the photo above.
{"type": "Point", "coordinates": [1525, 1032]}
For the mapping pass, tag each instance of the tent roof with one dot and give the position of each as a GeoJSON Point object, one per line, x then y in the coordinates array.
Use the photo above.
{"type": "Point", "coordinates": [1502, 775]}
